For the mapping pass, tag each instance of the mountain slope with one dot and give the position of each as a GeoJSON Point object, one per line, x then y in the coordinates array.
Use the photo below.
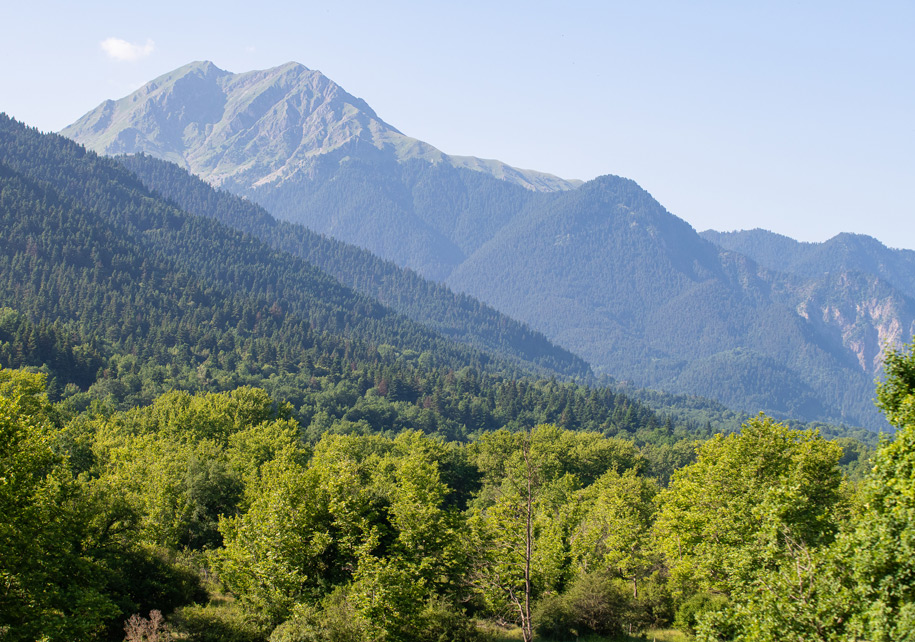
{"type": "Point", "coordinates": [606, 271]}
{"type": "Point", "coordinates": [455, 316]}
{"type": "Point", "coordinates": [125, 219]}
{"type": "Point", "coordinates": [110, 286]}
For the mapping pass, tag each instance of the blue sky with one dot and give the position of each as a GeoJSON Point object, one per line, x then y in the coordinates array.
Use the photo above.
{"type": "Point", "coordinates": [798, 117]}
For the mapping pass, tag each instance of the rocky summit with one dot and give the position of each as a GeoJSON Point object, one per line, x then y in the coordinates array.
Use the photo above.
{"type": "Point", "coordinates": [262, 127]}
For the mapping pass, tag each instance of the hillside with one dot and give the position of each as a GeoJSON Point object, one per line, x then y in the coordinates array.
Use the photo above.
{"type": "Point", "coordinates": [458, 317]}
{"type": "Point", "coordinates": [606, 271]}
{"type": "Point", "coordinates": [119, 297]}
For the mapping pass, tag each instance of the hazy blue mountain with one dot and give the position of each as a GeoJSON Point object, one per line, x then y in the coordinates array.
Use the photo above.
{"type": "Point", "coordinates": [606, 271]}
{"type": "Point", "coordinates": [842, 253]}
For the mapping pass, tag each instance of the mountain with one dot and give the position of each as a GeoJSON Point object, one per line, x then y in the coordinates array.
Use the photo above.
{"type": "Point", "coordinates": [120, 296]}
{"type": "Point", "coordinates": [600, 268]}
{"type": "Point", "coordinates": [290, 137]}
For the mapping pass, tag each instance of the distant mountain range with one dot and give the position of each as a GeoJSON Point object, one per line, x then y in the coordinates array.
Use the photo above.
{"type": "Point", "coordinates": [756, 321]}
{"type": "Point", "coordinates": [842, 253]}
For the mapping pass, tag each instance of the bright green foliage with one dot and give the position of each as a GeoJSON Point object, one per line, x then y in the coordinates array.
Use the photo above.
{"type": "Point", "coordinates": [68, 563]}
{"type": "Point", "coordinates": [48, 588]}
{"type": "Point", "coordinates": [276, 554]}
{"type": "Point", "coordinates": [182, 462]}
{"type": "Point", "coordinates": [799, 593]}
{"type": "Point", "coordinates": [523, 518]}
{"type": "Point", "coordinates": [732, 512]}
{"type": "Point", "coordinates": [417, 553]}
{"type": "Point", "coordinates": [883, 543]}
{"type": "Point", "coordinates": [614, 531]}
{"type": "Point", "coordinates": [367, 512]}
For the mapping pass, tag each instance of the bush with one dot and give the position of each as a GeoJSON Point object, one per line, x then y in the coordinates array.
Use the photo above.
{"type": "Point", "coordinates": [216, 622]}
{"type": "Point", "coordinates": [694, 608]}
{"type": "Point", "coordinates": [441, 622]}
{"type": "Point", "coordinates": [335, 621]}
{"type": "Point", "coordinates": [554, 620]}
{"type": "Point", "coordinates": [598, 604]}
{"type": "Point", "coordinates": [595, 604]}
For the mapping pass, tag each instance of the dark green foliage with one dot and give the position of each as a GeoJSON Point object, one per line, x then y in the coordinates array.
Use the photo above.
{"type": "Point", "coordinates": [597, 603]}
{"type": "Point", "coordinates": [49, 346]}
{"type": "Point", "coordinates": [455, 316]}
{"type": "Point", "coordinates": [176, 301]}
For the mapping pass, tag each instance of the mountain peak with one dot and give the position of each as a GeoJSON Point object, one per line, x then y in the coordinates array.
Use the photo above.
{"type": "Point", "coordinates": [267, 126]}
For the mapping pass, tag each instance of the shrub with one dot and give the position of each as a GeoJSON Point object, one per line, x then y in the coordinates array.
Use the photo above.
{"type": "Point", "coordinates": [598, 604]}
{"type": "Point", "coordinates": [216, 622]}
{"type": "Point", "coordinates": [335, 621]}
{"type": "Point", "coordinates": [594, 604]}
{"type": "Point", "coordinates": [553, 619]}
{"type": "Point", "coordinates": [441, 622]}
{"type": "Point", "coordinates": [694, 608]}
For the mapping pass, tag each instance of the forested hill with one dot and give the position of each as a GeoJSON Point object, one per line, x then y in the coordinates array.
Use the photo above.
{"type": "Point", "coordinates": [120, 230]}
{"type": "Point", "coordinates": [456, 316]}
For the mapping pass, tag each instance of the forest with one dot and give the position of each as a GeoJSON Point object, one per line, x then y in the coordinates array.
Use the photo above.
{"type": "Point", "coordinates": [203, 436]}
{"type": "Point", "coordinates": [219, 516]}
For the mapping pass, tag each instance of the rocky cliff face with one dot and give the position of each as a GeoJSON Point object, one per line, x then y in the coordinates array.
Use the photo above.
{"type": "Point", "coordinates": [860, 312]}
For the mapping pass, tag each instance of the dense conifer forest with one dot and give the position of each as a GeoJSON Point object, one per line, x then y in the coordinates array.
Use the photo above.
{"type": "Point", "coordinates": [205, 437]}
{"type": "Point", "coordinates": [459, 317]}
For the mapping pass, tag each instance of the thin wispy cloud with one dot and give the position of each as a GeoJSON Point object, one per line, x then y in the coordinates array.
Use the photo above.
{"type": "Point", "coordinates": [118, 49]}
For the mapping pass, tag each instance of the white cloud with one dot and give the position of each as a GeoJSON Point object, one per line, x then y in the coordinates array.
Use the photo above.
{"type": "Point", "coordinates": [118, 49]}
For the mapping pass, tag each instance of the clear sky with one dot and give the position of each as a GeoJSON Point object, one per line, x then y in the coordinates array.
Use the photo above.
{"type": "Point", "coordinates": [798, 117]}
